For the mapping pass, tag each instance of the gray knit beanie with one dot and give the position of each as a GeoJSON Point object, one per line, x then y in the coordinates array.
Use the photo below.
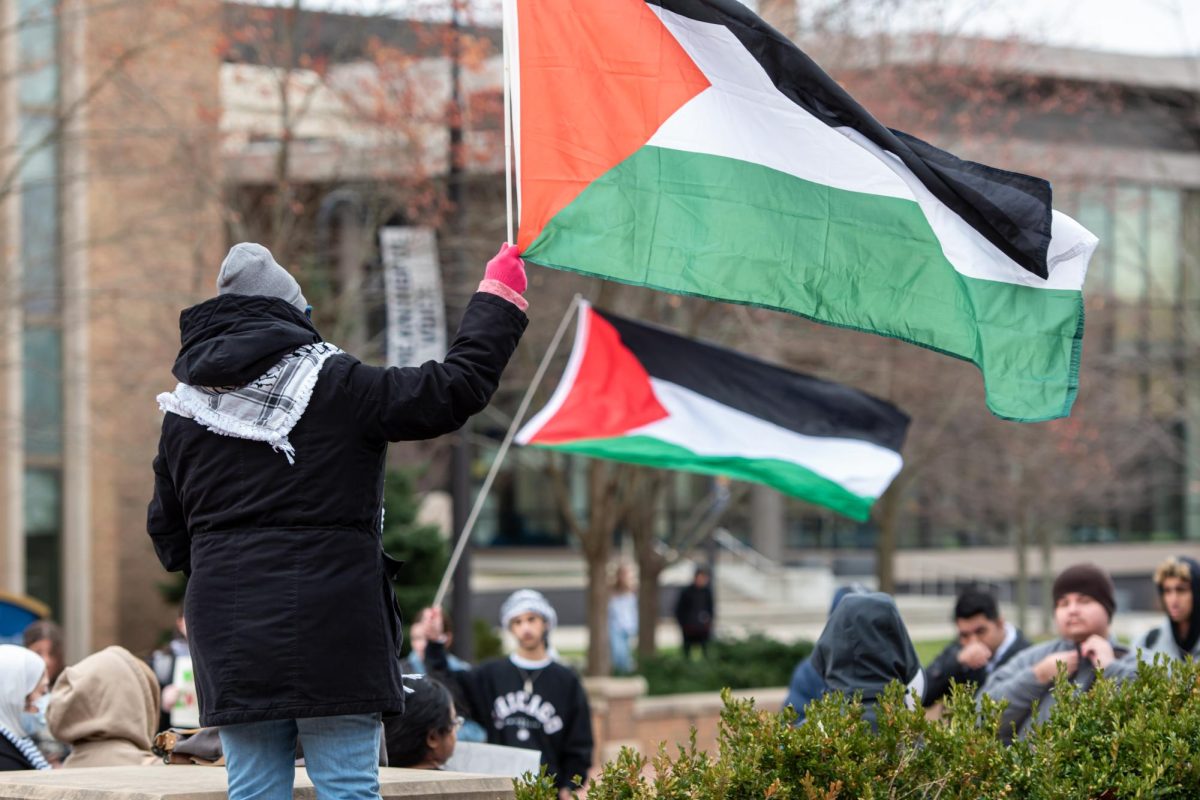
{"type": "Point", "coordinates": [251, 269]}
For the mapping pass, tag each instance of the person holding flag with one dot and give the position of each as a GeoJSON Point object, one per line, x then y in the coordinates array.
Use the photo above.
{"type": "Point", "coordinates": [268, 494]}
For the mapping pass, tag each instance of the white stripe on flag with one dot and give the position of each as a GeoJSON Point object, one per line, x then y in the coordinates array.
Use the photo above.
{"type": "Point", "coordinates": [567, 382]}
{"type": "Point", "coordinates": [743, 116]}
{"type": "Point", "coordinates": [708, 428]}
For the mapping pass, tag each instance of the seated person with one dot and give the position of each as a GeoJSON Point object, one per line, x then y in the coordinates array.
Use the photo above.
{"type": "Point", "coordinates": [425, 735]}
{"type": "Point", "coordinates": [414, 664]}
{"type": "Point", "coordinates": [23, 686]}
{"type": "Point", "coordinates": [865, 647]}
{"type": "Point", "coordinates": [806, 685]}
{"type": "Point", "coordinates": [1178, 582]}
{"type": "Point", "coordinates": [985, 642]}
{"type": "Point", "coordinates": [106, 708]}
{"type": "Point", "coordinates": [1084, 602]}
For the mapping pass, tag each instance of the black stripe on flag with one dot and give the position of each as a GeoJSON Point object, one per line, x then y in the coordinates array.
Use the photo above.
{"type": "Point", "coordinates": [1010, 210]}
{"type": "Point", "coordinates": [800, 403]}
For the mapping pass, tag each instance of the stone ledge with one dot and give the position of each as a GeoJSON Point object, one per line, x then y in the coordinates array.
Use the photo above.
{"type": "Point", "coordinates": [667, 706]}
{"type": "Point", "coordinates": [178, 782]}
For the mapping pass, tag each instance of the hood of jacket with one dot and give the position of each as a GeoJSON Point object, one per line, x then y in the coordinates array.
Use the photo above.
{"type": "Point", "coordinates": [107, 708]}
{"type": "Point", "coordinates": [865, 646]}
{"type": "Point", "coordinates": [233, 339]}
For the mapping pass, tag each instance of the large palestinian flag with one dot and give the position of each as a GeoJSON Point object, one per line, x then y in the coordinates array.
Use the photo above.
{"type": "Point", "coordinates": [643, 395]}
{"type": "Point", "coordinates": [687, 146]}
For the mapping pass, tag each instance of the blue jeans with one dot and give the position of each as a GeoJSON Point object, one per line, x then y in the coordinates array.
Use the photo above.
{"type": "Point", "coordinates": [340, 753]}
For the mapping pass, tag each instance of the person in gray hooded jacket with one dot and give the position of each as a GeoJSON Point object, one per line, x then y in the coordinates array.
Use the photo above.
{"type": "Point", "coordinates": [865, 647]}
{"type": "Point", "coordinates": [1084, 602]}
{"type": "Point", "coordinates": [1178, 583]}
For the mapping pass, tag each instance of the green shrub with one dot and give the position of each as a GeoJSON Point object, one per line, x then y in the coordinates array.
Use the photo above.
{"type": "Point", "coordinates": [422, 548]}
{"type": "Point", "coordinates": [1137, 740]}
{"type": "Point", "coordinates": [748, 663]}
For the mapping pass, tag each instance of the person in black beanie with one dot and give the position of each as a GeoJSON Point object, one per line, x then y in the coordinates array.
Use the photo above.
{"type": "Point", "coordinates": [1084, 603]}
{"type": "Point", "coordinates": [1178, 583]}
{"type": "Point", "coordinates": [268, 494]}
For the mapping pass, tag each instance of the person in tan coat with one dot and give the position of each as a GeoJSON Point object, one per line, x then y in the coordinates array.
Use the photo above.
{"type": "Point", "coordinates": [106, 708]}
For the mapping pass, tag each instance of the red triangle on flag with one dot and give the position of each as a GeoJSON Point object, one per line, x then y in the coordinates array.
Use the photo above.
{"type": "Point", "coordinates": [597, 79]}
{"type": "Point", "coordinates": [611, 394]}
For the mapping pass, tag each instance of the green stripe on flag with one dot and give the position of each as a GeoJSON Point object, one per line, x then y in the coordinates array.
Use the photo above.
{"type": "Point", "coordinates": [731, 230]}
{"type": "Point", "coordinates": [785, 476]}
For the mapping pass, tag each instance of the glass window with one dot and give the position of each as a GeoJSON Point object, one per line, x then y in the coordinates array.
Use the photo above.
{"type": "Point", "coordinates": [43, 534]}
{"type": "Point", "coordinates": [1162, 246]}
{"type": "Point", "coordinates": [37, 148]}
{"type": "Point", "coordinates": [39, 248]}
{"type": "Point", "coordinates": [1093, 212]}
{"type": "Point", "coordinates": [37, 38]}
{"type": "Point", "coordinates": [42, 385]}
{"type": "Point", "coordinates": [1129, 262]}
{"type": "Point", "coordinates": [1129, 243]}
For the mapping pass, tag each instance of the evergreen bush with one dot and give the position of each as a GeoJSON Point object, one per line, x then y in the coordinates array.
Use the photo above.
{"type": "Point", "coordinates": [1130, 741]}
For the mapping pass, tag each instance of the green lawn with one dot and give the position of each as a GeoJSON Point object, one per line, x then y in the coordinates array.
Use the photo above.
{"type": "Point", "coordinates": [928, 649]}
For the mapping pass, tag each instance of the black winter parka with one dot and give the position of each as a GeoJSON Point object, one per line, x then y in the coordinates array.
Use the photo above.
{"type": "Point", "coordinates": [289, 606]}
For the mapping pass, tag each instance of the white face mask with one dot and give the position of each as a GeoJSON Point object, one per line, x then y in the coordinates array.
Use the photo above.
{"type": "Point", "coordinates": [33, 722]}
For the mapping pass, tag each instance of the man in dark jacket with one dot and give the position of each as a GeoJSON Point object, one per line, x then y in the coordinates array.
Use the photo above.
{"type": "Point", "coordinates": [985, 641]}
{"type": "Point", "coordinates": [694, 613]}
{"type": "Point", "coordinates": [268, 493]}
{"type": "Point", "coordinates": [864, 647]}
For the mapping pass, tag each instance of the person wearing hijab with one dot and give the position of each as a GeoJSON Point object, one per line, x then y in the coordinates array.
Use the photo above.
{"type": "Point", "coordinates": [425, 735]}
{"type": "Point", "coordinates": [23, 686]}
{"type": "Point", "coordinates": [106, 708]}
{"type": "Point", "coordinates": [865, 647]}
{"type": "Point", "coordinates": [1178, 582]}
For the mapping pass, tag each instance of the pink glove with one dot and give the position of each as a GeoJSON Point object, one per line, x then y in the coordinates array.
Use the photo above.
{"type": "Point", "coordinates": [508, 268]}
{"type": "Point", "coordinates": [505, 276]}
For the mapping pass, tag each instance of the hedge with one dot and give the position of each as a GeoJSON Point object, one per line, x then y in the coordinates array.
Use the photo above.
{"type": "Point", "coordinates": [731, 664]}
{"type": "Point", "coordinates": [1140, 739]}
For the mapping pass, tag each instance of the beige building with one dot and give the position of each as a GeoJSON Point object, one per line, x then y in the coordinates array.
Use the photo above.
{"type": "Point", "coordinates": [111, 224]}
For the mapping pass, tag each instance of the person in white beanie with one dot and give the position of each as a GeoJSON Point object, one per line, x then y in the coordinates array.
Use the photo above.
{"type": "Point", "coordinates": [528, 699]}
{"type": "Point", "coordinates": [268, 493]}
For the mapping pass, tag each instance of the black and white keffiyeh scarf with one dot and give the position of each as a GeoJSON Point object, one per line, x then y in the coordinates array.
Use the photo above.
{"type": "Point", "coordinates": [26, 746]}
{"type": "Point", "coordinates": [264, 410]}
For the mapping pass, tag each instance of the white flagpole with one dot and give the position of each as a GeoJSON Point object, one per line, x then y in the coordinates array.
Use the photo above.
{"type": "Point", "coordinates": [506, 45]}
{"type": "Point", "coordinates": [503, 451]}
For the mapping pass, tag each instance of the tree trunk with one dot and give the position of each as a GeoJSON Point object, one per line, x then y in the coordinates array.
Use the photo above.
{"type": "Point", "coordinates": [603, 480]}
{"type": "Point", "coordinates": [649, 572]}
{"type": "Point", "coordinates": [1021, 543]}
{"type": "Point", "coordinates": [885, 542]}
{"type": "Point", "coordinates": [598, 659]}
{"type": "Point", "coordinates": [1046, 542]}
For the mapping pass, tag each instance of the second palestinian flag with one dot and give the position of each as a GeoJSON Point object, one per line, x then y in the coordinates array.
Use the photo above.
{"type": "Point", "coordinates": [643, 395]}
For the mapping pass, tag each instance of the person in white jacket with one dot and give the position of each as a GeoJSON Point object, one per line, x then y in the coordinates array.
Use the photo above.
{"type": "Point", "coordinates": [1178, 582]}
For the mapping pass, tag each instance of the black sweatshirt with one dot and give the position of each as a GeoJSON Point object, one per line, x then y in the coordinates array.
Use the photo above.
{"type": "Point", "coordinates": [552, 718]}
